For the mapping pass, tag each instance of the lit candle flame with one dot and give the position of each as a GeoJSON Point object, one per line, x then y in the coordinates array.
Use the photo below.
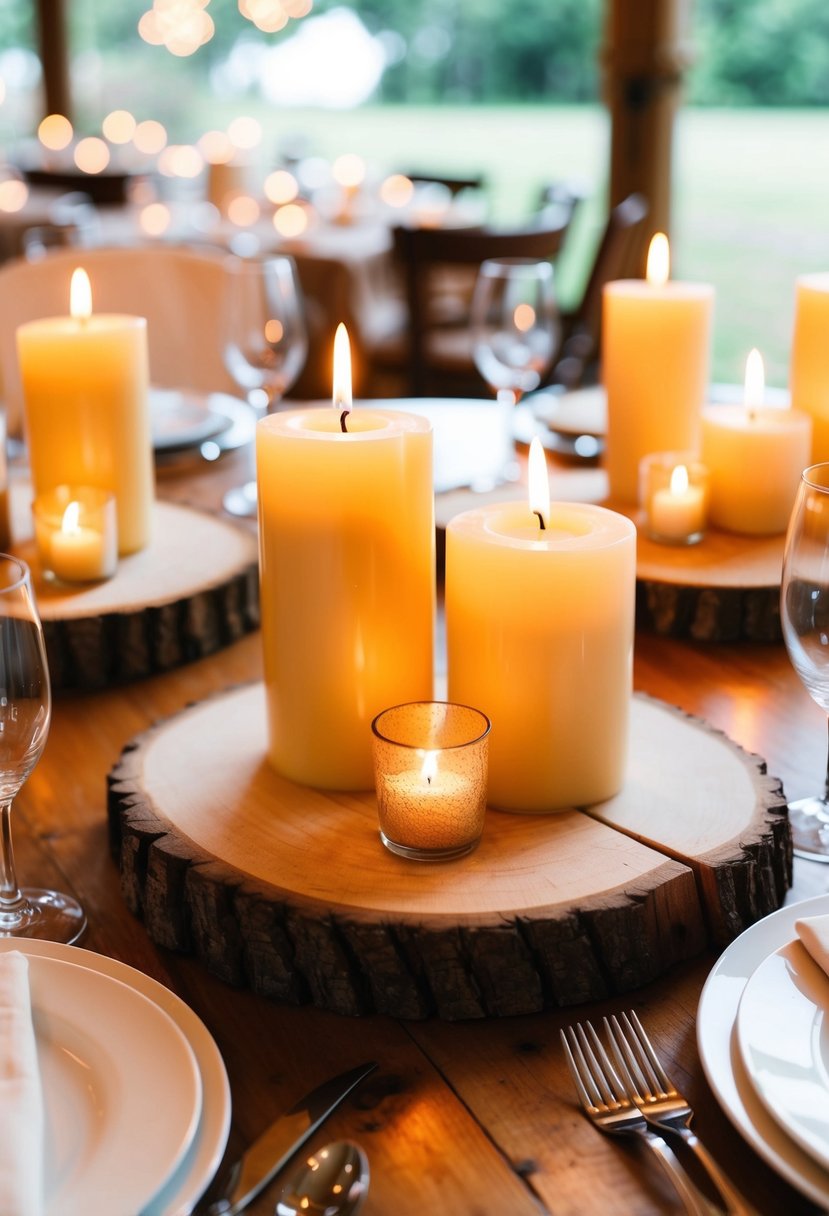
{"type": "Point", "coordinates": [679, 479]}
{"type": "Point", "coordinates": [69, 523]}
{"type": "Point", "coordinates": [342, 373]}
{"type": "Point", "coordinates": [80, 295]}
{"type": "Point", "coordinates": [659, 260]}
{"type": "Point", "coordinates": [755, 382]}
{"type": "Point", "coordinates": [539, 483]}
{"type": "Point", "coordinates": [430, 767]}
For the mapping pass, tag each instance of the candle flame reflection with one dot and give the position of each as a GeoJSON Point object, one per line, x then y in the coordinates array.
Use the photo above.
{"type": "Point", "coordinates": [69, 523]}
{"type": "Point", "coordinates": [342, 370]}
{"type": "Point", "coordinates": [80, 295]}
{"type": "Point", "coordinates": [539, 482]}
{"type": "Point", "coordinates": [755, 381]}
{"type": "Point", "coordinates": [659, 260]}
{"type": "Point", "coordinates": [524, 317]}
{"type": "Point", "coordinates": [679, 479]}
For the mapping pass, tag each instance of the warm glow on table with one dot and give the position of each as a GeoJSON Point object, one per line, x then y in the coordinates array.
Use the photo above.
{"type": "Point", "coordinates": [540, 638]}
{"type": "Point", "coordinates": [85, 386]}
{"type": "Point", "coordinates": [656, 344]}
{"type": "Point", "coordinates": [347, 574]}
{"type": "Point", "coordinates": [755, 455]}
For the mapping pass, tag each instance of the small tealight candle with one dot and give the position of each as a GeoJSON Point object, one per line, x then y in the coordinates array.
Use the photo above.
{"type": "Point", "coordinates": [674, 494]}
{"type": "Point", "coordinates": [430, 764]}
{"type": "Point", "coordinates": [76, 532]}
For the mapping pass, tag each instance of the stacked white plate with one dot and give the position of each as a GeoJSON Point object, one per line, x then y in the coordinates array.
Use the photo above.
{"type": "Point", "coordinates": [136, 1094]}
{"type": "Point", "coordinates": [763, 1034]}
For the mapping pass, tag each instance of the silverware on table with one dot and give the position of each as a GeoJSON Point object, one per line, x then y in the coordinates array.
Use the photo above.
{"type": "Point", "coordinates": [267, 1155]}
{"type": "Point", "coordinates": [608, 1107]}
{"type": "Point", "coordinates": [661, 1103]}
{"type": "Point", "coordinates": [334, 1181]}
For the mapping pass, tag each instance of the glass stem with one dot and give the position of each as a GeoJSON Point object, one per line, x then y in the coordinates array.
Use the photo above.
{"type": "Point", "coordinates": [826, 783]}
{"type": "Point", "coordinates": [10, 896]}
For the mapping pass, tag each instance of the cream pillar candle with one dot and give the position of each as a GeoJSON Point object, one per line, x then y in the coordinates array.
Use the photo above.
{"type": "Point", "coordinates": [540, 638]}
{"type": "Point", "coordinates": [809, 371]}
{"type": "Point", "coordinates": [85, 386]}
{"type": "Point", "coordinates": [755, 455]}
{"type": "Point", "coordinates": [347, 575]}
{"type": "Point", "coordinates": [656, 346]}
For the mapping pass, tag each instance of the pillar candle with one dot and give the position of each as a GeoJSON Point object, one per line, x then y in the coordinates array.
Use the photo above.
{"type": "Point", "coordinates": [809, 371]}
{"type": "Point", "coordinates": [755, 455]}
{"type": "Point", "coordinates": [85, 387]}
{"type": "Point", "coordinates": [347, 576]}
{"type": "Point", "coordinates": [656, 347]}
{"type": "Point", "coordinates": [540, 638]}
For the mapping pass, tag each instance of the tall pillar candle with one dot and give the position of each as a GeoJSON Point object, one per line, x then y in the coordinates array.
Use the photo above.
{"type": "Point", "coordinates": [347, 574]}
{"type": "Point", "coordinates": [86, 392]}
{"type": "Point", "coordinates": [754, 455]}
{"type": "Point", "coordinates": [809, 371]}
{"type": "Point", "coordinates": [656, 350]}
{"type": "Point", "coordinates": [540, 638]}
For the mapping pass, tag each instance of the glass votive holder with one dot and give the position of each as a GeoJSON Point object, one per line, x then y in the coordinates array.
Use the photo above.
{"type": "Point", "coordinates": [430, 769]}
{"type": "Point", "coordinates": [76, 533]}
{"type": "Point", "coordinates": [673, 490]}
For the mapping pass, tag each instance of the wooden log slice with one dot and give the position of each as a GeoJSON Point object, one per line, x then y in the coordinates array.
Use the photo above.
{"type": "Point", "coordinates": [193, 590]}
{"type": "Point", "coordinates": [288, 889]}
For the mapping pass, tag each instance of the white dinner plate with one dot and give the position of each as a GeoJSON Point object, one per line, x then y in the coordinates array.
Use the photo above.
{"type": "Point", "coordinates": [720, 1053]}
{"type": "Point", "coordinates": [184, 420]}
{"type": "Point", "coordinates": [783, 1035]}
{"type": "Point", "coordinates": [202, 1158]}
{"type": "Point", "coordinates": [107, 1054]}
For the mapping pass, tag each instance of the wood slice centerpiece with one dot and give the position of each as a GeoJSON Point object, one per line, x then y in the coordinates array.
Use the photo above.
{"type": "Point", "coordinates": [288, 889]}
{"type": "Point", "coordinates": [194, 589]}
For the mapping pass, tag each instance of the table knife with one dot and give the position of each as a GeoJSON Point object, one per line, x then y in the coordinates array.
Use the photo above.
{"type": "Point", "coordinates": [267, 1155]}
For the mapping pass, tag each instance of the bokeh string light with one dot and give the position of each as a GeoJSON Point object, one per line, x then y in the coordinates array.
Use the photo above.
{"type": "Point", "coordinates": [182, 26]}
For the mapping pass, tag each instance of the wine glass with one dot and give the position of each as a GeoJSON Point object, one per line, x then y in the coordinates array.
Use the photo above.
{"type": "Point", "coordinates": [266, 342]}
{"type": "Point", "coordinates": [516, 328]}
{"type": "Point", "coordinates": [25, 711]}
{"type": "Point", "coordinates": [516, 331]}
{"type": "Point", "coordinates": [804, 613]}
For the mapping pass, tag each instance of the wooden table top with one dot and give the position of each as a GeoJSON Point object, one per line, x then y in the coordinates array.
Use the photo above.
{"type": "Point", "coordinates": [475, 1118]}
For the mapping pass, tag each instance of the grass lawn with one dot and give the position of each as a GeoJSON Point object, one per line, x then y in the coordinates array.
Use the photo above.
{"type": "Point", "coordinates": [751, 191]}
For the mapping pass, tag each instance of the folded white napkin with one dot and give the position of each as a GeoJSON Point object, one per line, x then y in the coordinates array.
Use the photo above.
{"type": "Point", "coordinates": [813, 931]}
{"type": "Point", "coordinates": [21, 1096]}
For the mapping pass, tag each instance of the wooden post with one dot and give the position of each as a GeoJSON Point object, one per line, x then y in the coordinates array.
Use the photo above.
{"type": "Point", "coordinates": [645, 53]}
{"type": "Point", "coordinates": [53, 48]}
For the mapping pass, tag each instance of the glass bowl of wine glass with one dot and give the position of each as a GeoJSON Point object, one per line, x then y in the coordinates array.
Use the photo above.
{"type": "Point", "coordinates": [265, 342]}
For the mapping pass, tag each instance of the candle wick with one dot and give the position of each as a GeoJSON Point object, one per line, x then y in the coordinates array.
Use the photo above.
{"type": "Point", "coordinates": [429, 780]}
{"type": "Point", "coordinates": [343, 417]}
{"type": "Point", "coordinates": [541, 523]}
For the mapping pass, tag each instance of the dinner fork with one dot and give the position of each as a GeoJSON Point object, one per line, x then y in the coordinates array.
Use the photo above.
{"type": "Point", "coordinates": [661, 1103]}
{"type": "Point", "coordinates": [608, 1107]}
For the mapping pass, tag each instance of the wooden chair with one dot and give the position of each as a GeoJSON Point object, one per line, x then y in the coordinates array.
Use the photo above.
{"type": "Point", "coordinates": [577, 361]}
{"type": "Point", "coordinates": [437, 351]}
{"type": "Point", "coordinates": [179, 290]}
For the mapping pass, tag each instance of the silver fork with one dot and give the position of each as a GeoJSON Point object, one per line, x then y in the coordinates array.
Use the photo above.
{"type": "Point", "coordinates": [606, 1104]}
{"type": "Point", "coordinates": [661, 1103]}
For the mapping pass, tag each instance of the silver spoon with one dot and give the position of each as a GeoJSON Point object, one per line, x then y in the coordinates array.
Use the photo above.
{"type": "Point", "coordinates": [332, 1182]}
